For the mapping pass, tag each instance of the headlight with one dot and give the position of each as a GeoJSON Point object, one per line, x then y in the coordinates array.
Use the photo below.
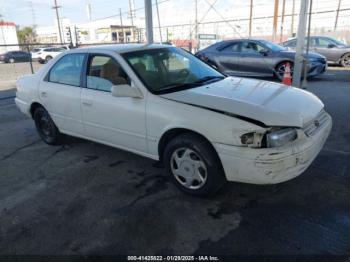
{"type": "Point", "coordinates": [280, 137]}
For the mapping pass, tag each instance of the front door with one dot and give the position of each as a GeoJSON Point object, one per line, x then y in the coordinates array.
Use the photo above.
{"type": "Point", "coordinates": [119, 121]}
{"type": "Point", "coordinates": [252, 61]}
{"type": "Point", "coordinates": [60, 93]}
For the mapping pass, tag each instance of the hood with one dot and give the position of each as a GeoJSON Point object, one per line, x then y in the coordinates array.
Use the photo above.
{"type": "Point", "coordinates": [267, 102]}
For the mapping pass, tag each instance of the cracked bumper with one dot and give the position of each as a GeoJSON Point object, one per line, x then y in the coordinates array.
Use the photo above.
{"type": "Point", "coordinates": [272, 165]}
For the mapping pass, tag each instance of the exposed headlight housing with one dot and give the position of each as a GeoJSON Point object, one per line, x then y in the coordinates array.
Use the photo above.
{"type": "Point", "coordinates": [280, 137]}
{"type": "Point", "coordinates": [273, 138]}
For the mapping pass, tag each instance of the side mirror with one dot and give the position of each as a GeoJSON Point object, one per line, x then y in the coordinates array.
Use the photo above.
{"type": "Point", "coordinates": [126, 91]}
{"type": "Point", "coordinates": [331, 46]}
{"type": "Point", "coordinates": [264, 52]}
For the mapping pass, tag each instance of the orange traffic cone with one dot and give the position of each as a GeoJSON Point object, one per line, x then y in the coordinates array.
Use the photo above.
{"type": "Point", "coordinates": [287, 78]}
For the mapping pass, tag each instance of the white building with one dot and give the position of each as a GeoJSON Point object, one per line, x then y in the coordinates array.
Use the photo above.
{"type": "Point", "coordinates": [98, 31]}
{"type": "Point", "coordinates": [8, 36]}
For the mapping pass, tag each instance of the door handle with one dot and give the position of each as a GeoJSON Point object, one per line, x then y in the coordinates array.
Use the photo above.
{"type": "Point", "coordinates": [43, 94]}
{"type": "Point", "coordinates": [87, 102]}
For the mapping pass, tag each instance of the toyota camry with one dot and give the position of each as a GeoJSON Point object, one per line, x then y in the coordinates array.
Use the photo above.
{"type": "Point", "coordinates": [163, 103]}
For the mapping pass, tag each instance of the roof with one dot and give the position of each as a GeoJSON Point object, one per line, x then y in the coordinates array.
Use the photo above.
{"type": "Point", "coordinates": [123, 48]}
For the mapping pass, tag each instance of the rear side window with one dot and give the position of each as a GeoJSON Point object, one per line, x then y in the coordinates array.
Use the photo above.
{"type": "Point", "coordinates": [67, 70]}
{"type": "Point", "coordinates": [234, 47]}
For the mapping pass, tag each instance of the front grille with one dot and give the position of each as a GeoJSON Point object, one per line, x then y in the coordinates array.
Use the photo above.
{"type": "Point", "coordinates": [316, 124]}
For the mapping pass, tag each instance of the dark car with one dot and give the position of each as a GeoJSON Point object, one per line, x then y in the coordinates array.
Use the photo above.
{"type": "Point", "coordinates": [246, 57]}
{"type": "Point", "coordinates": [334, 50]}
{"type": "Point", "coordinates": [15, 56]}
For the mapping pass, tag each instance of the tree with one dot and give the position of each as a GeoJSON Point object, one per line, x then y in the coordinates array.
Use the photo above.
{"type": "Point", "coordinates": [26, 35]}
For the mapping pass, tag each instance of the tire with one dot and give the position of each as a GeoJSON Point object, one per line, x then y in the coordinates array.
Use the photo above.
{"type": "Point", "coordinates": [345, 60]}
{"type": "Point", "coordinates": [279, 70]}
{"type": "Point", "coordinates": [46, 128]}
{"type": "Point", "coordinates": [48, 58]}
{"type": "Point", "coordinates": [193, 165]}
{"type": "Point", "coordinates": [11, 60]}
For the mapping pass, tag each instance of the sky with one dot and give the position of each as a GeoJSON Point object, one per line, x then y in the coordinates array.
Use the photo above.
{"type": "Point", "coordinates": [171, 11]}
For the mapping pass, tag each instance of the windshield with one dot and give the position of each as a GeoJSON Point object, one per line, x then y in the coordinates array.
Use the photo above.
{"type": "Point", "coordinates": [274, 47]}
{"type": "Point", "coordinates": [170, 69]}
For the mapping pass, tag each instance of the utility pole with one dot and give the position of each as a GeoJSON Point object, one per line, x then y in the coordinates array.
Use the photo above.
{"type": "Point", "coordinates": [250, 18]}
{"type": "Point", "coordinates": [196, 25]}
{"type": "Point", "coordinates": [149, 22]}
{"type": "Point", "coordinates": [282, 19]}
{"type": "Point", "coordinates": [131, 8]}
{"type": "Point", "coordinates": [299, 58]}
{"type": "Point", "coordinates": [304, 84]}
{"type": "Point", "coordinates": [58, 20]}
{"type": "Point", "coordinates": [292, 24]}
{"type": "Point", "coordinates": [275, 17]}
{"type": "Point", "coordinates": [160, 29]}
{"type": "Point", "coordinates": [337, 15]}
{"type": "Point", "coordinates": [121, 24]}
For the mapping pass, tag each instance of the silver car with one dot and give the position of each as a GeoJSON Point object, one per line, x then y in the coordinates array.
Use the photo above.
{"type": "Point", "coordinates": [335, 51]}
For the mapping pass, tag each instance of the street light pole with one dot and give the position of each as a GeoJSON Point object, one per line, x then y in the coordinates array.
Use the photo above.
{"type": "Point", "coordinates": [149, 22]}
{"type": "Point", "coordinates": [299, 58]}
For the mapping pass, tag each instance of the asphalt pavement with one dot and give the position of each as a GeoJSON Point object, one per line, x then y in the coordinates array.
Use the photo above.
{"type": "Point", "coordinates": [87, 198]}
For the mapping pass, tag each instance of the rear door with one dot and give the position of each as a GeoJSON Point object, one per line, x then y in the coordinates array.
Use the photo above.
{"type": "Point", "coordinates": [60, 93]}
{"type": "Point", "coordinates": [227, 58]}
{"type": "Point", "coordinates": [252, 61]}
{"type": "Point", "coordinates": [119, 121]}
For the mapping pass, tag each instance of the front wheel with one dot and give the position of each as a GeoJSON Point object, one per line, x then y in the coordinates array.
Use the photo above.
{"type": "Point", "coordinates": [193, 165]}
{"type": "Point", "coordinates": [46, 128]}
{"type": "Point", "coordinates": [281, 68]}
{"type": "Point", "coordinates": [345, 60]}
{"type": "Point", "coordinates": [11, 60]}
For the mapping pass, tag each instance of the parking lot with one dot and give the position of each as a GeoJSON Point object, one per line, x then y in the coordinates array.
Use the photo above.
{"type": "Point", "coordinates": [87, 198]}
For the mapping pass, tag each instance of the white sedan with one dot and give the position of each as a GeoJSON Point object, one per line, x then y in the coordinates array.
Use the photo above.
{"type": "Point", "coordinates": [163, 103]}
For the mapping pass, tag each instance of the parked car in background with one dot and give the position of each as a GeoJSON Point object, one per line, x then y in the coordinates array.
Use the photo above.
{"type": "Point", "coordinates": [335, 51]}
{"type": "Point", "coordinates": [15, 56]}
{"type": "Point", "coordinates": [43, 55]}
{"type": "Point", "coordinates": [163, 103]}
{"type": "Point", "coordinates": [247, 57]}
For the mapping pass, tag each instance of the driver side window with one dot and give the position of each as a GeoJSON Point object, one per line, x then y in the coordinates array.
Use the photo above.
{"type": "Point", "coordinates": [104, 72]}
{"type": "Point", "coordinates": [251, 47]}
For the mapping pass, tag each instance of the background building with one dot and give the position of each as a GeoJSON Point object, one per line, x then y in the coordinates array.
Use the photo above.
{"type": "Point", "coordinates": [8, 35]}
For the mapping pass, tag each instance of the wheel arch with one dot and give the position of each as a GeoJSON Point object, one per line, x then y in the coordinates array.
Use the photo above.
{"type": "Point", "coordinates": [33, 107]}
{"type": "Point", "coordinates": [342, 56]}
{"type": "Point", "coordinates": [174, 132]}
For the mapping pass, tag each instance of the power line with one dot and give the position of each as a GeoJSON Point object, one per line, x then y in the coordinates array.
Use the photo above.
{"type": "Point", "coordinates": [127, 12]}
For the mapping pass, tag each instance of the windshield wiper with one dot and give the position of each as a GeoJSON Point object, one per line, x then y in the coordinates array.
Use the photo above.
{"type": "Point", "coordinates": [208, 78]}
{"type": "Point", "coordinates": [182, 86]}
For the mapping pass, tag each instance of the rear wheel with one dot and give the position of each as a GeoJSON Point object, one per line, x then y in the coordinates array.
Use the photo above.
{"type": "Point", "coordinates": [345, 60]}
{"type": "Point", "coordinates": [11, 60]}
{"type": "Point", "coordinates": [193, 165]}
{"type": "Point", "coordinates": [48, 58]}
{"type": "Point", "coordinates": [281, 68]}
{"type": "Point", "coordinates": [46, 128]}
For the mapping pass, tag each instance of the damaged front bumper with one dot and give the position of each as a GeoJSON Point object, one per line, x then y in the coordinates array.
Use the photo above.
{"type": "Point", "coordinates": [272, 165]}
